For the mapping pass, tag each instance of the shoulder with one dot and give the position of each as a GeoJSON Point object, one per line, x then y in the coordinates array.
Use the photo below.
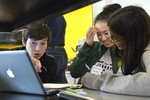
{"type": "Point", "coordinates": [148, 47]}
{"type": "Point", "coordinates": [99, 44]}
{"type": "Point", "coordinates": [145, 58]}
{"type": "Point", "coordinates": [48, 58]}
{"type": "Point", "coordinates": [146, 53]}
{"type": "Point", "coordinates": [96, 44]}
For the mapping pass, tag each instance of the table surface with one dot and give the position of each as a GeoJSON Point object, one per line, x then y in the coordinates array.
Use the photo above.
{"type": "Point", "coordinates": [96, 95]}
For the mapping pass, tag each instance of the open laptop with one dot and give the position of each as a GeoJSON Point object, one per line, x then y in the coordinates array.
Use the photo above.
{"type": "Point", "coordinates": [17, 74]}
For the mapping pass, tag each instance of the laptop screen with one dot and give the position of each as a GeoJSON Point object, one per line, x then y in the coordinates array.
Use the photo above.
{"type": "Point", "coordinates": [17, 73]}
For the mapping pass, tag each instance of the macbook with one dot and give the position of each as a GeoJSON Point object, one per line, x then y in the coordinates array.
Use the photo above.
{"type": "Point", "coordinates": [17, 74]}
{"type": "Point", "coordinates": [17, 96]}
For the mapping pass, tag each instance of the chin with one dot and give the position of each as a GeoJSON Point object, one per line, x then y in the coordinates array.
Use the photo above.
{"type": "Point", "coordinates": [37, 57]}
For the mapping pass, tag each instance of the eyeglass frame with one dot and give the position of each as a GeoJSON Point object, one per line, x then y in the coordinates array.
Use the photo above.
{"type": "Point", "coordinates": [113, 38]}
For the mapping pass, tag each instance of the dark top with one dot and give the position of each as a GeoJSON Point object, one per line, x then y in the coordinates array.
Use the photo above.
{"type": "Point", "coordinates": [49, 67]}
{"type": "Point", "coordinates": [48, 74]}
{"type": "Point", "coordinates": [58, 29]}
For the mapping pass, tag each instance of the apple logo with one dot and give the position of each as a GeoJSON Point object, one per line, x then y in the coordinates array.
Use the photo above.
{"type": "Point", "coordinates": [10, 73]}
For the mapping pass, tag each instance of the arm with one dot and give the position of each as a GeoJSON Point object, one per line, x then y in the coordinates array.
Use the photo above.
{"type": "Point", "coordinates": [53, 69]}
{"type": "Point", "coordinates": [37, 64]}
{"type": "Point", "coordinates": [78, 67]}
{"type": "Point", "coordinates": [48, 74]}
{"type": "Point", "coordinates": [137, 84]}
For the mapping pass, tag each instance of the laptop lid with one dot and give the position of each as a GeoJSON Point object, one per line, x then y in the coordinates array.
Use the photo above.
{"type": "Point", "coordinates": [17, 73]}
{"type": "Point", "coordinates": [18, 96]}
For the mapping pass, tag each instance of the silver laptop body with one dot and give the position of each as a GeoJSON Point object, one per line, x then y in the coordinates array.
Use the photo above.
{"type": "Point", "coordinates": [17, 73]}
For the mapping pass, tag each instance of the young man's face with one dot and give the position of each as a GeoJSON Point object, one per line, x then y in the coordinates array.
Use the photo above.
{"type": "Point", "coordinates": [36, 48]}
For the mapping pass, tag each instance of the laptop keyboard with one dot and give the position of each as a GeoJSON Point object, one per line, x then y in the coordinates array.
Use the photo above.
{"type": "Point", "coordinates": [51, 91]}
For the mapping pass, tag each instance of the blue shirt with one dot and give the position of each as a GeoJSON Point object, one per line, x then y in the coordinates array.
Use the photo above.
{"type": "Point", "coordinates": [58, 29]}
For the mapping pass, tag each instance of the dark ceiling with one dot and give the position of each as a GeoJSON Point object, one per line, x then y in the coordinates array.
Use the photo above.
{"type": "Point", "coordinates": [15, 14]}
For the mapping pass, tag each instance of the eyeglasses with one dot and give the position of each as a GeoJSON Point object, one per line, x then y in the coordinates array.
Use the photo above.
{"type": "Point", "coordinates": [114, 38]}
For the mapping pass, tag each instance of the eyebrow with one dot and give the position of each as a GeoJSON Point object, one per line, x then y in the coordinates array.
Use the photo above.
{"type": "Point", "coordinates": [39, 40]}
{"type": "Point", "coordinates": [103, 31]}
{"type": "Point", "coordinates": [45, 39]}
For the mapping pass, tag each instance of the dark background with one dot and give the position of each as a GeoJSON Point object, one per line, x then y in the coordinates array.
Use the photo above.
{"type": "Point", "coordinates": [15, 14]}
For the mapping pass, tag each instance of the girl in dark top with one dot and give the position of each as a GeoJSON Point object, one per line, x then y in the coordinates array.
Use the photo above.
{"type": "Point", "coordinates": [101, 56]}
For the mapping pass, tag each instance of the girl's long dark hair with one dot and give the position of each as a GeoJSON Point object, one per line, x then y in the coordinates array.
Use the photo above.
{"type": "Point", "coordinates": [133, 24]}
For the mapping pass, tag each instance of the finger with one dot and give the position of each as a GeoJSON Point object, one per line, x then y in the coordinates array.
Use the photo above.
{"type": "Point", "coordinates": [93, 31]}
{"type": "Point", "coordinates": [39, 70]}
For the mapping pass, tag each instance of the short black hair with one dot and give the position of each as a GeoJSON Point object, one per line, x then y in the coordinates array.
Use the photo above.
{"type": "Point", "coordinates": [38, 32]}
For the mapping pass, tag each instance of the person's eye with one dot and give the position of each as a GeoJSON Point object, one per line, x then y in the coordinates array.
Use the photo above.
{"type": "Point", "coordinates": [44, 43]}
{"type": "Point", "coordinates": [106, 33]}
{"type": "Point", "coordinates": [33, 43]}
{"type": "Point", "coordinates": [99, 34]}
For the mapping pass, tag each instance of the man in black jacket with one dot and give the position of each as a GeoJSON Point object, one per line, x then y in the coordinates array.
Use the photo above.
{"type": "Point", "coordinates": [35, 41]}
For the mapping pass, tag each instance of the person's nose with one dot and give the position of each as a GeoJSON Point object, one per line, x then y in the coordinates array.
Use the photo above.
{"type": "Point", "coordinates": [38, 47]}
{"type": "Point", "coordinates": [103, 37]}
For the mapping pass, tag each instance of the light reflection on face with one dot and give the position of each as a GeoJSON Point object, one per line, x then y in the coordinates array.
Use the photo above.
{"type": "Point", "coordinates": [103, 35]}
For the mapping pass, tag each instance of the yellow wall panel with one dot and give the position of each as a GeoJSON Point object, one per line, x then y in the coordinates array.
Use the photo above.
{"type": "Point", "coordinates": [78, 23]}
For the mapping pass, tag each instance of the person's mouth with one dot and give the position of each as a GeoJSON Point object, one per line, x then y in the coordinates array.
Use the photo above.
{"type": "Point", "coordinates": [106, 42]}
{"type": "Point", "coordinates": [36, 54]}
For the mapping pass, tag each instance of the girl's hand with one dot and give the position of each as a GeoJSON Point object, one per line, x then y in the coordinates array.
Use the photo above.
{"type": "Point", "coordinates": [90, 35]}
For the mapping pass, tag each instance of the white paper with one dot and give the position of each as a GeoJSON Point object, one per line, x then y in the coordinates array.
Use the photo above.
{"type": "Point", "coordinates": [55, 85]}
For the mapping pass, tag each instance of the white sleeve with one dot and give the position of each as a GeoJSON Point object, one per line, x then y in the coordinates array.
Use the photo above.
{"type": "Point", "coordinates": [146, 60]}
{"type": "Point", "coordinates": [137, 84]}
